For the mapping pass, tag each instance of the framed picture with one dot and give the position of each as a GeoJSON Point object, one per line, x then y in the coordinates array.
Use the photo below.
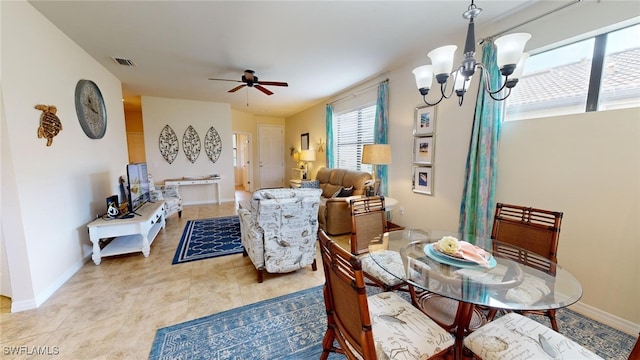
{"type": "Point", "coordinates": [304, 141]}
{"type": "Point", "coordinates": [423, 148]}
{"type": "Point", "coordinates": [423, 180]}
{"type": "Point", "coordinates": [425, 120]}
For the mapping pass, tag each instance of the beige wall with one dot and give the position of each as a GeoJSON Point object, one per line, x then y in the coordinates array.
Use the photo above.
{"type": "Point", "coordinates": [301, 123]}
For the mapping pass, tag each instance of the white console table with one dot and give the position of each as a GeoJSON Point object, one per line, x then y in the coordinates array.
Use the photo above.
{"type": "Point", "coordinates": [130, 235]}
{"type": "Point", "coordinates": [197, 181]}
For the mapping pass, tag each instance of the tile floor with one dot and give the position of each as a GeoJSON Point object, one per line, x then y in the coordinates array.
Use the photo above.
{"type": "Point", "coordinates": [112, 311]}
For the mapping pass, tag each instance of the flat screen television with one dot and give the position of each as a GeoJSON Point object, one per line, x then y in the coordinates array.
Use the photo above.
{"type": "Point", "coordinates": [138, 185]}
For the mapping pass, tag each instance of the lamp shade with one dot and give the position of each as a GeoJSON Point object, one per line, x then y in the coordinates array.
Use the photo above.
{"type": "Point", "coordinates": [442, 59]}
{"type": "Point", "coordinates": [510, 48]}
{"type": "Point", "coordinates": [376, 154]}
{"type": "Point", "coordinates": [424, 76]}
{"type": "Point", "coordinates": [307, 155]}
{"type": "Point", "coordinates": [520, 67]}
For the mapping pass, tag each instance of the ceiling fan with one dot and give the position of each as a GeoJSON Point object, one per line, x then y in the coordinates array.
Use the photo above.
{"type": "Point", "coordinates": [251, 80]}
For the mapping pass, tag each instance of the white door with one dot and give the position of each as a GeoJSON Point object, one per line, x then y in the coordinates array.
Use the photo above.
{"type": "Point", "coordinates": [244, 160]}
{"type": "Point", "coordinates": [271, 156]}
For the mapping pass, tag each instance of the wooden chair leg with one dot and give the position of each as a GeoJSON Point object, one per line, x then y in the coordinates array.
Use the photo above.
{"type": "Point", "coordinates": [259, 275]}
{"type": "Point", "coordinates": [314, 265]}
{"type": "Point", "coordinates": [551, 314]}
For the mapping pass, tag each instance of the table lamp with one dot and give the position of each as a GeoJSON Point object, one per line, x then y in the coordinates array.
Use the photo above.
{"type": "Point", "coordinates": [307, 156]}
{"type": "Point", "coordinates": [376, 154]}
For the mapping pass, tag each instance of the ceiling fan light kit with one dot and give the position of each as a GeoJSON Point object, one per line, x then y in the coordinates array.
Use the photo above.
{"type": "Point", "coordinates": [251, 80]}
{"type": "Point", "coordinates": [510, 62]}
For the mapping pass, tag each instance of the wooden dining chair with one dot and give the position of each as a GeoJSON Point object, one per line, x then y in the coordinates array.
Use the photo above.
{"type": "Point", "coordinates": [535, 230]}
{"type": "Point", "coordinates": [369, 222]}
{"type": "Point", "coordinates": [361, 327]}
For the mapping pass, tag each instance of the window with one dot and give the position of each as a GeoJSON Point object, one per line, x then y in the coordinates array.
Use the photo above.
{"type": "Point", "coordinates": [351, 130]}
{"type": "Point", "coordinates": [599, 73]}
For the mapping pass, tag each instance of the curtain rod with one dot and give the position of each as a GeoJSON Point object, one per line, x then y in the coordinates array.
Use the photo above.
{"type": "Point", "coordinates": [530, 20]}
{"type": "Point", "coordinates": [356, 93]}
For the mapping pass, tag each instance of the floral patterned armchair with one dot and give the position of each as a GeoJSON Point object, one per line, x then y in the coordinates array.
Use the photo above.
{"type": "Point", "coordinates": [170, 195]}
{"type": "Point", "coordinates": [279, 229]}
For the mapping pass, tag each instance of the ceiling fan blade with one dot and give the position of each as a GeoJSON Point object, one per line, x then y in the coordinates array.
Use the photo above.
{"type": "Point", "coordinates": [264, 90]}
{"type": "Point", "coordinates": [237, 88]}
{"type": "Point", "coordinates": [225, 80]}
{"type": "Point", "coordinates": [273, 83]}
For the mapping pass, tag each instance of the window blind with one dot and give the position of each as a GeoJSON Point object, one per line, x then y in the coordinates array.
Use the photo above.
{"type": "Point", "coordinates": [352, 129]}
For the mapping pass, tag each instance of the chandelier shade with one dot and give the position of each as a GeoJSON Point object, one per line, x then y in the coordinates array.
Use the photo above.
{"type": "Point", "coordinates": [510, 60]}
{"type": "Point", "coordinates": [510, 49]}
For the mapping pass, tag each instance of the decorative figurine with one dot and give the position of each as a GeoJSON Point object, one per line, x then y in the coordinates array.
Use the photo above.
{"type": "Point", "coordinates": [50, 124]}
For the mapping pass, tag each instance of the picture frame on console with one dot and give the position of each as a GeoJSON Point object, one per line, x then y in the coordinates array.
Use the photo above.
{"type": "Point", "coordinates": [425, 120]}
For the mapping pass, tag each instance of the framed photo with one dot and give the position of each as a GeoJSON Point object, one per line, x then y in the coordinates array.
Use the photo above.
{"type": "Point", "coordinates": [423, 180]}
{"type": "Point", "coordinates": [423, 148]}
{"type": "Point", "coordinates": [425, 120]}
{"type": "Point", "coordinates": [304, 141]}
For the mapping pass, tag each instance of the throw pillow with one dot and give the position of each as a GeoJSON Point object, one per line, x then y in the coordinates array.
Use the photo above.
{"type": "Point", "coordinates": [335, 194]}
{"type": "Point", "coordinates": [345, 192]}
{"type": "Point", "coordinates": [330, 190]}
{"type": "Point", "coordinates": [313, 184]}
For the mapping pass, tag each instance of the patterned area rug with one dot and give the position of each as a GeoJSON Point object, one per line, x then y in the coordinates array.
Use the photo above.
{"type": "Point", "coordinates": [207, 238]}
{"type": "Point", "coordinates": [292, 327]}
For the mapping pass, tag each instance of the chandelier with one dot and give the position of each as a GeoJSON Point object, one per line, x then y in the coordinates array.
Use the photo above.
{"type": "Point", "coordinates": [510, 59]}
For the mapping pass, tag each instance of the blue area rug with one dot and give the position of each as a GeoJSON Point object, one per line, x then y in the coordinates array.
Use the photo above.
{"type": "Point", "coordinates": [207, 238]}
{"type": "Point", "coordinates": [286, 327]}
{"type": "Point", "coordinates": [292, 327]}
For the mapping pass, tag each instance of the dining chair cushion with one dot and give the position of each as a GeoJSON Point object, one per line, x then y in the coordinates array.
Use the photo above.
{"type": "Point", "coordinates": [516, 337]}
{"type": "Point", "coordinates": [529, 291]}
{"type": "Point", "coordinates": [399, 327]}
{"type": "Point", "coordinates": [392, 262]}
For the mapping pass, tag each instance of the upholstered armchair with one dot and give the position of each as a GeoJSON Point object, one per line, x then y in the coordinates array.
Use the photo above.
{"type": "Point", "coordinates": [279, 229]}
{"type": "Point", "coordinates": [170, 195]}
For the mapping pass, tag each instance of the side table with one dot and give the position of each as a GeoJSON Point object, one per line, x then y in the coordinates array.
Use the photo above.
{"type": "Point", "coordinates": [389, 204]}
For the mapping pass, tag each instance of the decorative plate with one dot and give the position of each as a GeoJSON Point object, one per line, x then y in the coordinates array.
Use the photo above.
{"type": "Point", "coordinates": [440, 257]}
{"type": "Point", "coordinates": [213, 144]}
{"type": "Point", "coordinates": [191, 144]}
{"type": "Point", "coordinates": [168, 143]}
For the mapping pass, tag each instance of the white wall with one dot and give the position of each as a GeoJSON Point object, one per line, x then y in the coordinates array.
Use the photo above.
{"type": "Point", "coordinates": [179, 114]}
{"type": "Point", "coordinates": [51, 193]}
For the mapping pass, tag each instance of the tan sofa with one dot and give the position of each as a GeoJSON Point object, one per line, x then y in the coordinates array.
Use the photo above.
{"type": "Point", "coordinates": [334, 216]}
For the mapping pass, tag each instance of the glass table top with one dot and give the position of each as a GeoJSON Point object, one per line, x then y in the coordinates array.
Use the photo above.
{"type": "Point", "coordinates": [507, 283]}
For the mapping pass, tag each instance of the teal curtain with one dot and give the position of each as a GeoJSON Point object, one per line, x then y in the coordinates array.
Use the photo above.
{"type": "Point", "coordinates": [478, 199]}
{"type": "Point", "coordinates": [330, 156]}
{"type": "Point", "coordinates": [381, 129]}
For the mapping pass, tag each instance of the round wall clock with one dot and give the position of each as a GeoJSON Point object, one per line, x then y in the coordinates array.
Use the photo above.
{"type": "Point", "coordinates": [91, 110]}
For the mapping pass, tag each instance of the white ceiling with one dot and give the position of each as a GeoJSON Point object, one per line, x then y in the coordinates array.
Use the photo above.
{"type": "Point", "coordinates": [319, 47]}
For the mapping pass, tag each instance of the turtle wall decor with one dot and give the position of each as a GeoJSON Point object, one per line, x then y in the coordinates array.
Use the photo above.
{"type": "Point", "coordinates": [50, 124]}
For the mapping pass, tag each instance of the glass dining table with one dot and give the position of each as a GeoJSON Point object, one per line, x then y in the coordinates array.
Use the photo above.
{"type": "Point", "coordinates": [504, 281]}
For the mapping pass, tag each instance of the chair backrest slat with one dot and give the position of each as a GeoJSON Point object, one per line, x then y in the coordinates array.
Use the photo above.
{"type": "Point", "coordinates": [532, 229]}
{"type": "Point", "coordinates": [368, 222]}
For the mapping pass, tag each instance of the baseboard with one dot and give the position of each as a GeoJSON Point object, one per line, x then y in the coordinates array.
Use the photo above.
{"type": "Point", "coordinates": [30, 304]}
{"type": "Point", "coordinates": [611, 320]}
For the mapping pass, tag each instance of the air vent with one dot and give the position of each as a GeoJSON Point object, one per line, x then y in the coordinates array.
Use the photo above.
{"type": "Point", "coordinates": [124, 62]}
